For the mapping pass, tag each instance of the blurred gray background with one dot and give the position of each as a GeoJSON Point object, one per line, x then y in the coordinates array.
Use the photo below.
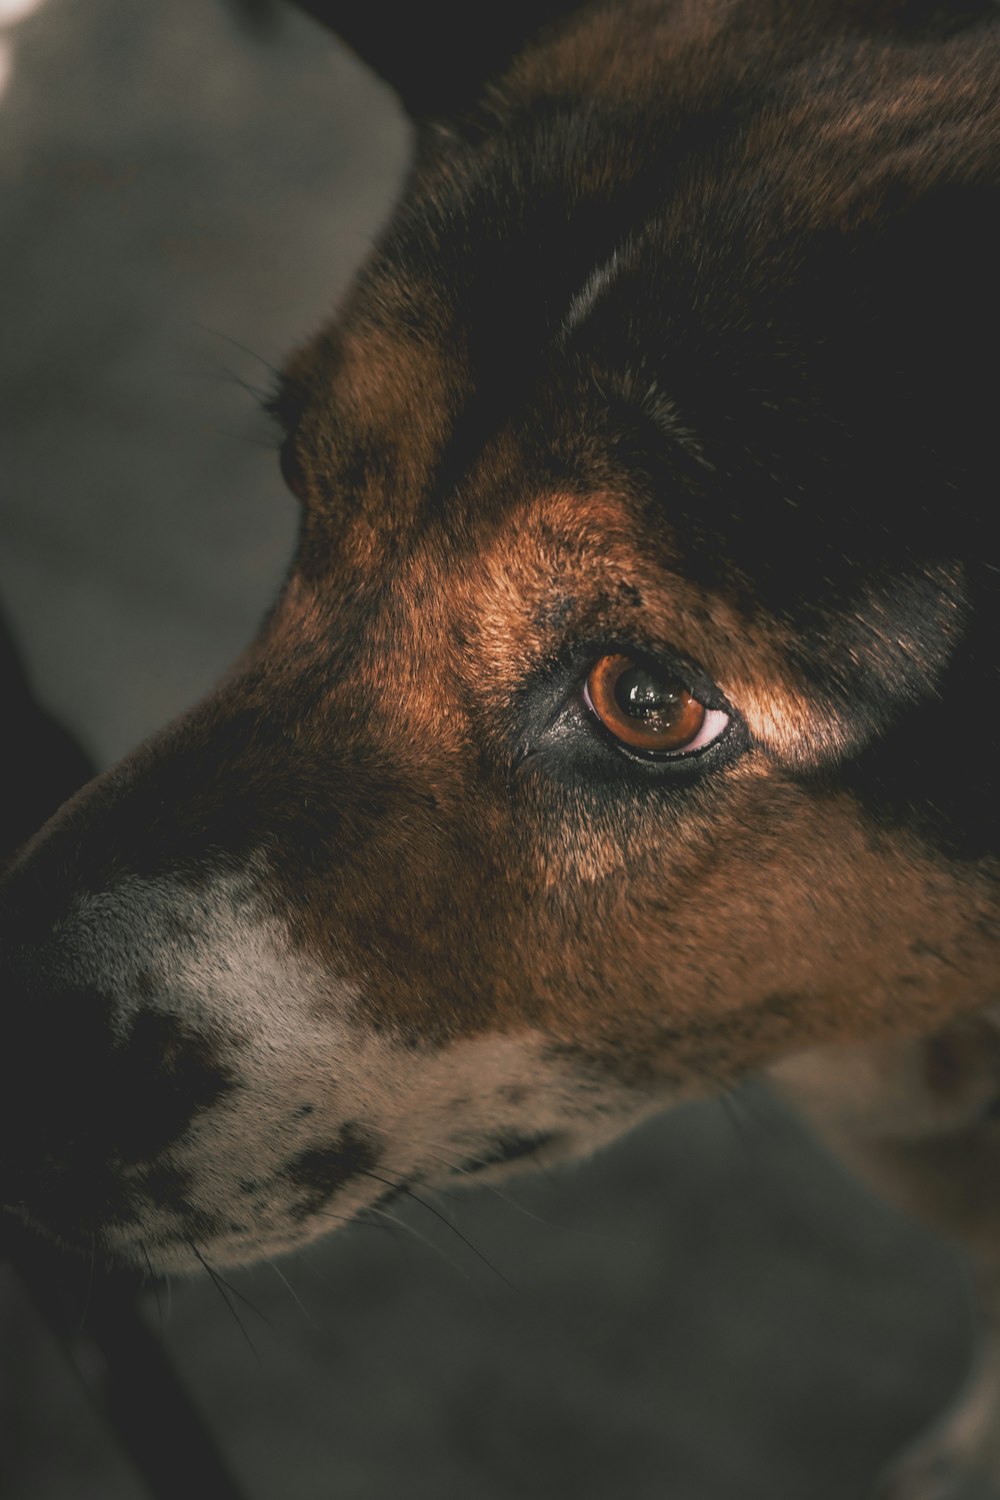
{"type": "Point", "coordinates": [708, 1311]}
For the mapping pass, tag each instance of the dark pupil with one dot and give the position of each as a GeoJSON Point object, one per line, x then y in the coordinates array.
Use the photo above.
{"type": "Point", "coordinates": [645, 697]}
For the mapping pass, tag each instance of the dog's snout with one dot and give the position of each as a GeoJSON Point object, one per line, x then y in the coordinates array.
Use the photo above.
{"type": "Point", "coordinates": [102, 1077]}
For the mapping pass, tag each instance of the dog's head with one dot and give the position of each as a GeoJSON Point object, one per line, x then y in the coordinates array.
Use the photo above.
{"type": "Point", "coordinates": [625, 720]}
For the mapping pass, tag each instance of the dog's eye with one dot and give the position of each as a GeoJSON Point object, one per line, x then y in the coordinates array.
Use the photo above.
{"type": "Point", "coordinates": [646, 709]}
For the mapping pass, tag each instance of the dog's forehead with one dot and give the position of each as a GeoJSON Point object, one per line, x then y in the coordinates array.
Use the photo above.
{"type": "Point", "coordinates": [685, 305]}
{"type": "Point", "coordinates": [594, 264]}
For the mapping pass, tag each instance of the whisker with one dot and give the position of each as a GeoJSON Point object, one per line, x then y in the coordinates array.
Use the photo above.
{"type": "Point", "coordinates": [439, 1152]}
{"type": "Point", "coordinates": [308, 1261]}
{"type": "Point", "coordinates": [293, 1293]}
{"type": "Point", "coordinates": [367, 1217]}
{"type": "Point", "coordinates": [402, 1186]}
{"type": "Point", "coordinates": [460, 1165]}
{"type": "Point", "coordinates": [230, 377]}
{"type": "Point", "coordinates": [734, 1118]}
{"type": "Point", "coordinates": [219, 1285]}
{"type": "Point", "coordinates": [326, 1213]}
{"type": "Point", "coordinates": [251, 1306]}
{"type": "Point", "coordinates": [244, 348]}
{"type": "Point", "coordinates": [394, 1222]}
{"type": "Point", "coordinates": [156, 1285]}
{"type": "Point", "coordinates": [744, 1112]}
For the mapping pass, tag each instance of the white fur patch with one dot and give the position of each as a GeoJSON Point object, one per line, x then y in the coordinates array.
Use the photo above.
{"type": "Point", "coordinates": [307, 1068]}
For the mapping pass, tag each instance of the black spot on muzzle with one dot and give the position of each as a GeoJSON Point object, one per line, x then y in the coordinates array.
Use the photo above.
{"type": "Point", "coordinates": [322, 1171]}
{"type": "Point", "coordinates": [507, 1148]}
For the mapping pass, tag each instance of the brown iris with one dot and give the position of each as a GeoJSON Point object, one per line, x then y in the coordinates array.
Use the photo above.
{"type": "Point", "coordinates": [643, 708]}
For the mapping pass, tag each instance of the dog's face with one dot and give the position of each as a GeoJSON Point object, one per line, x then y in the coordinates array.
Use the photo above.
{"type": "Point", "coordinates": [616, 731]}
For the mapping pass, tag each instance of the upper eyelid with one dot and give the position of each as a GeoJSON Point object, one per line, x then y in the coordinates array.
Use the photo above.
{"type": "Point", "coordinates": [658, 658]}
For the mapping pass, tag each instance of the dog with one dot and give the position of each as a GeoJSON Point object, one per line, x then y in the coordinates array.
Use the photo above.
{"type": "Point", "coordinates": [624, 725]}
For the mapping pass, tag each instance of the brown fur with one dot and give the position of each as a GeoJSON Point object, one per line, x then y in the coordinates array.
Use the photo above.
{"type": "Point", "coordinates": [666, 351]}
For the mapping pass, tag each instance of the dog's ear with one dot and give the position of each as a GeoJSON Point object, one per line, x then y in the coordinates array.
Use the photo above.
{"type": "Point", "coordinates": [437, 55]}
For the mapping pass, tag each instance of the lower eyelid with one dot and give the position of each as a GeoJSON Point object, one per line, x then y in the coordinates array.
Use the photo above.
{"type": "Point", "coordinates": [714, 725]}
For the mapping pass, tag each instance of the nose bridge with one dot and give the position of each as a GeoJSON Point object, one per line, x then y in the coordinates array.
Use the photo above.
{"type": "Point", "coordinates": [310, 779]}
{"type": "Point", "coordinates": [263, 794]}
{"type": "Point", "coordinates": [199, 795]}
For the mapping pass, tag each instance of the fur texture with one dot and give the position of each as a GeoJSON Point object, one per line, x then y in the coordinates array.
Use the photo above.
{"type": "Point", "coordinates": [674, 348]}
